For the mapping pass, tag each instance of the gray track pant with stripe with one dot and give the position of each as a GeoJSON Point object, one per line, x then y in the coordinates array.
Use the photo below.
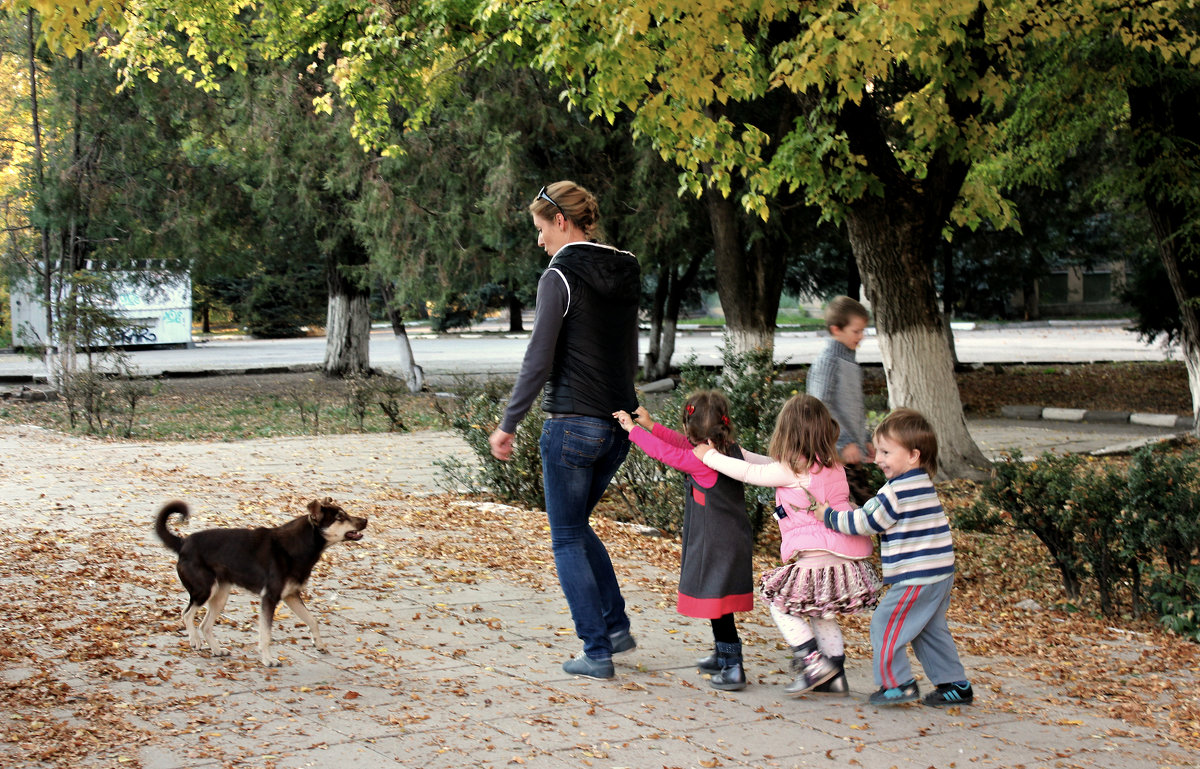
{"type": "Point", "coordinates": [914, 614]}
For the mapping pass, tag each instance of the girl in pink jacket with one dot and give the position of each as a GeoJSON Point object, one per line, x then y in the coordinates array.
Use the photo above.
{"type": "Point", "coordinates": [825, 573]}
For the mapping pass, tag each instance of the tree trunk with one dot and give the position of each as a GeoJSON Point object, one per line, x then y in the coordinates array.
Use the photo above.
{"type": "Point", "coordinates": [749, 283]}
{"type": "Point", "coordinates": [414, 375]}
{"type": "Point", "coordinates": [949, 298]}
{"type": "Point", "coordinates": [348, 335]}
{"type": "Point", "coordinates": [1163, 117]}
{"type": "Point", "coordinates": [652, 363]}
{"type": "Point", "coordinates": [50, 358]}
{"type": "Point", "coordinates": [916, 359]}
{"type": "Point", "coordinates": [896, 236]}
{"type": "Point", "coordinates": [853, 278]}
{"type": "Point", "coordinates": [516, 324]}
{"type": "Point", "coordinates": [664, 319]}
{"type": "Point", "coordinates": [348, 323]}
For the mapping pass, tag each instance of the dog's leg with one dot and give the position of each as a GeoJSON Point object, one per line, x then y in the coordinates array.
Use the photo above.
{"type": "Point", "coordinates": [296, 604]}
{"type": "Point", "coordinates": [266, 616]}
{"type": "Point", "coordinates": [189, 622]}
{"type": "Point", "coordinates": [216, 604]}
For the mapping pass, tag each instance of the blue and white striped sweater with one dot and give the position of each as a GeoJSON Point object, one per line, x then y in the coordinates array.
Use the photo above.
{"type": "Point", "coordinates": [914, 534]}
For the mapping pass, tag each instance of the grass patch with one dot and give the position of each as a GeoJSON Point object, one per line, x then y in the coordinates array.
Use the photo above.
{"type": "Point", "coordinates": [241, 407]}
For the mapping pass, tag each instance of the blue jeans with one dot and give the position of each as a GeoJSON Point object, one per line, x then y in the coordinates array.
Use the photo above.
{"type": "Point", "coordinates": [580, 455]}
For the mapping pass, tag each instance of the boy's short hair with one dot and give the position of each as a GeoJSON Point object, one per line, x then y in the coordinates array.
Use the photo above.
{"type": "Point", "coordinates": [842, 309]}
{"type": "Point", "coordinates": [910, 429]}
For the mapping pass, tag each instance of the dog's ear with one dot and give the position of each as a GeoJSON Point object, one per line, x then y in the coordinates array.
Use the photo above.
{"type": "Point", "coordinates": [314, 512]}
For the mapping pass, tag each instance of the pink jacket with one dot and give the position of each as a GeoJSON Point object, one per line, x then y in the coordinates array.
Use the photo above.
{"type": "Point", "coordinates": [800, 530]}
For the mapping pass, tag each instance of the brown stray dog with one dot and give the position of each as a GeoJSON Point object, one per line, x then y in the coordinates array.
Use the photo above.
{"type": "Point", "coordinates": [274, 563]}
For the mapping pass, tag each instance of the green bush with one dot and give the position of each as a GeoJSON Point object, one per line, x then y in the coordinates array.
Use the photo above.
{"type": "Point", "coordinates": [1175, 598]}
{"type": "Point", "coordinates": [653, 494]}
{"type": "Point", "coordinates": [1162, 535]}
{"type": "Point", "coordinates": [474, 416]}
{"type": "Point", "coordinates": [1037, 496]}
{"type": "Point", "coordinates": [1117, 528]}
{"type": "Point", "coordinates": [1097, 510]}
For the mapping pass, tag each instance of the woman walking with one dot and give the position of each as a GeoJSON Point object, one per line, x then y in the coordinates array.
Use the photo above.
{"type": "Point", "coordinates": [582, 355]}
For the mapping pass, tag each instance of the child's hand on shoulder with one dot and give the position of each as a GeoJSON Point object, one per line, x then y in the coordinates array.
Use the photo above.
{"type": "Point", "coordinates": [624, 420]}
{"type": "Point", "coordinates": [702, 449]}
{"type": "Point", "coordinates": [642, 417]}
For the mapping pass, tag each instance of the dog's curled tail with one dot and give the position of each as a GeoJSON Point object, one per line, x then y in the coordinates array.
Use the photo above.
{"type": "Point", "coordinates": [168, 537]}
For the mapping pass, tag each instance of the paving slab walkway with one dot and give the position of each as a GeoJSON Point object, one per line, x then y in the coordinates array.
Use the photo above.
{"type": "Point", "coordinates": [433, 661]}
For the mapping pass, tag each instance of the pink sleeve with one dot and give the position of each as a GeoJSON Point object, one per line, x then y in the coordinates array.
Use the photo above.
{"type": "Point", "coordinates": [667, 435]}
{"type": "Point", "coordinates": [678, 457]}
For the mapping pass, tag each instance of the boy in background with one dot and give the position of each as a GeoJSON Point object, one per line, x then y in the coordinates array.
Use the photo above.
{"type": "Point", "coordinates": [835, 379]}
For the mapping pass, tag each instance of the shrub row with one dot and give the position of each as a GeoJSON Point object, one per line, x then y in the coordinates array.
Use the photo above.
{"type": "Point", "coordinates": [1133, 531]}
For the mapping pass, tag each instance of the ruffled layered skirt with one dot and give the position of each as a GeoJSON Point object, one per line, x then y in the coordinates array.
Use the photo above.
{"type": "Point", "coordinates": [821, 585]}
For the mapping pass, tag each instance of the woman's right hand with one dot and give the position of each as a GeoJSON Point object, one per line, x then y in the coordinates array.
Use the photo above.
{"type": "Point", "coordinates": [501, 444]}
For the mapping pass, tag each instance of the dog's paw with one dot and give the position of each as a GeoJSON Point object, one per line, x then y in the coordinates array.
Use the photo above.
{"type": "Point", "coordinates": [271, 663]}
{"type": "Point", "coordinates": [219, 652]}
{"type": "Point", "coordinates": [321, 648]}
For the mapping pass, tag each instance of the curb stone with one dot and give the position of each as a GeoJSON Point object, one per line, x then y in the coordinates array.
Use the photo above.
{"type": "Point", "coordinates": [1171, 421]}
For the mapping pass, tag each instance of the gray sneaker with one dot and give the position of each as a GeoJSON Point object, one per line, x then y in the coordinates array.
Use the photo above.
{"type": "Point", "coordinates": [583, 665]}
{"type": "Point", "coordinates": [623, 642]}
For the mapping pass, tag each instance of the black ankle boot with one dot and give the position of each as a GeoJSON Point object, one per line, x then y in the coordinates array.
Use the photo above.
{"type": "Point", "coordinates": [837, 684]}
{"type": "Point", "coordinates": [731, 677]}
{"type": "Point", "coordinates": [710, 664]}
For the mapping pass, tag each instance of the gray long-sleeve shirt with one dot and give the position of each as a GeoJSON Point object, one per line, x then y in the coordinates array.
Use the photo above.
{"type": "Point", "coordinates": [835, 379]}
{"type": "Point", "coordinates": [552, 299]}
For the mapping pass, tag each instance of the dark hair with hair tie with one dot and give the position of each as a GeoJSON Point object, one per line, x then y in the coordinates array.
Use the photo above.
{"type": "Point", "coordinates": [706, 418]}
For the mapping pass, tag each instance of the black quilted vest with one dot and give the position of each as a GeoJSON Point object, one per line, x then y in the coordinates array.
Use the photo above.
{"type": "Point", "coordinates": [595, 360]}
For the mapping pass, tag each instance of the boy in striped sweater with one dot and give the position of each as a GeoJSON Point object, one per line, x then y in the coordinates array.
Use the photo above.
{"type": "Point", "coordinates": [918, 562]}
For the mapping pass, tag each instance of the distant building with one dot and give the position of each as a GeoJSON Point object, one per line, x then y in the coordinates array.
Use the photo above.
{"type": "Point", "coordinates": [156, 303]}
{"type": "Point", "coordinates": [1078, 291]}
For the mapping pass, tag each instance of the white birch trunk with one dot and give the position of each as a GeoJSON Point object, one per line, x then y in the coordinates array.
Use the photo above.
{"type": "Point", "coordinates": [746, 340]}
{"type": "Point", "coordinates": [926, 383]}
{"type": "Point", "coordinates": [414, 375]}
{"type": "Point", "coordinates": [1191, 359]}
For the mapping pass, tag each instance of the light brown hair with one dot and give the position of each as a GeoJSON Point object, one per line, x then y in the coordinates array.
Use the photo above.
{"type": "Point", "coordinates": [910, 429]}
{"type": "Point", "coordinates": [706, 418]}
{"type": "Point", "coordinates": [573, 202]}
{"type": "Point", "coordinates": [805, 433]}
{"type": "Point", "coordinates": [843, 309]}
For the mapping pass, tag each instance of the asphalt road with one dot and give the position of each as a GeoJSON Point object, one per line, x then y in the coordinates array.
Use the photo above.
{"type": "Point", "coordinates": [490, 352]}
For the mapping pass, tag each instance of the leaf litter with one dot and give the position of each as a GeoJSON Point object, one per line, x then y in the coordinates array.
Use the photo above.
{"type": "Point", "coordinates": [88, 679]}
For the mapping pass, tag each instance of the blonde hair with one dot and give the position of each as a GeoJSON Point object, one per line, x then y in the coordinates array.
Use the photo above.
{"type": "Point", "coordinates": [572, 201]}
{"type": "Point", "coordinates": [910, 429]}
{"type": "Point", "coordinates": [843, 309]}
{"type": "Point", "coordinates": [706, 418]}
{"type": "Point", "coordinates": [805, 434]}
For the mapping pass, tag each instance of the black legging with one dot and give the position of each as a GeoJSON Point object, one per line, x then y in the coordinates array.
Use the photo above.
{"type": "Point", "coordinates": [725, 629]}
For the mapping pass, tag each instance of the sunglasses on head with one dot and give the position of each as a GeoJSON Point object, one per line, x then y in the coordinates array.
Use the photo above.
{"type": "Point", "coordinates": [543, 195]}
